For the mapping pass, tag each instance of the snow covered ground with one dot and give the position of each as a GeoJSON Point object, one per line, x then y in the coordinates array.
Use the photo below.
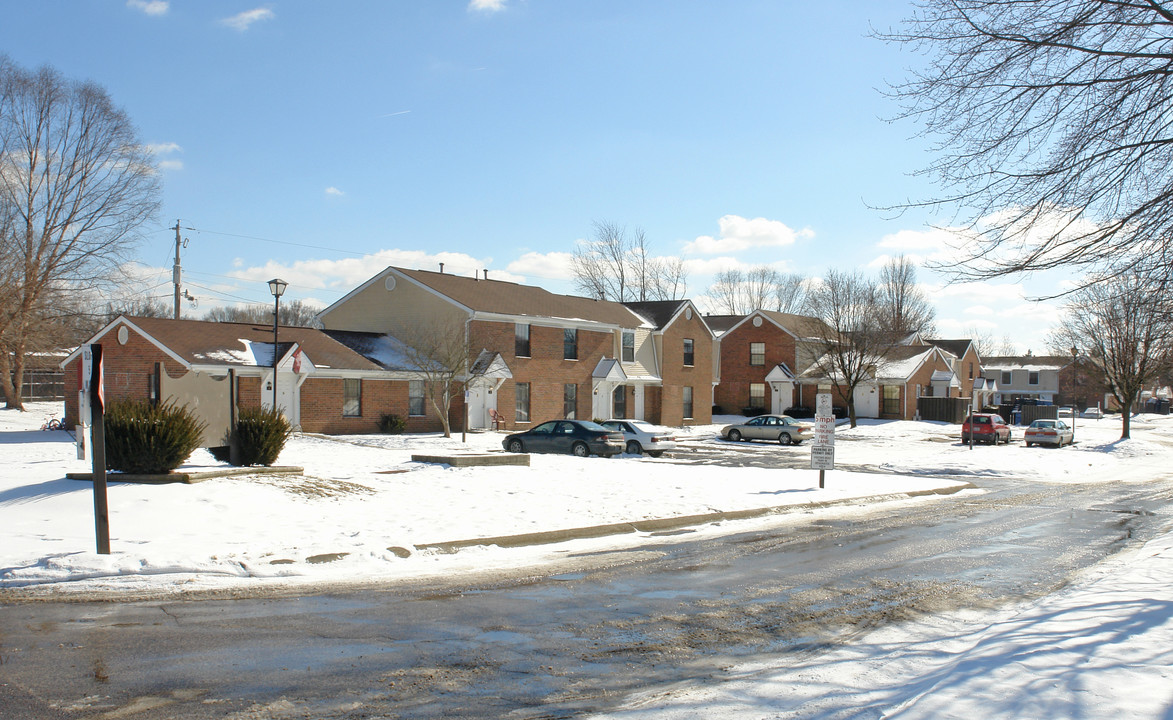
{"type": "Point", "coordinates": [1101, 647]}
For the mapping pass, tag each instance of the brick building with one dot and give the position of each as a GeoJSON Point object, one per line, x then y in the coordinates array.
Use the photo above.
{"type": "Point", "coordinates": [556, 355]}
{"type": "Point", "coordinates": [761, 355]}
{"type": "Point", "coordinates": [906, 373]}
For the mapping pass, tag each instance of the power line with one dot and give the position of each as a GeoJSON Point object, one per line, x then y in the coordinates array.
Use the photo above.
{"type": "Point", "coordinates": [279, 242]}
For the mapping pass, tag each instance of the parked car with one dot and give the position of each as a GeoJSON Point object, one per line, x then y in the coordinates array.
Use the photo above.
{"type": "Point", "coordinates": [643, 436]}
{"type": "Point", "coordinates": [580, 437]}
{"type": "Point", "coordinates": [1049, 432]}
{"type": "Point", "coordinates": [786, 430]}
{"type": "Point", "coordinates": [1093, 412]}
{"type": "Point", "coordinates": [986, 427]}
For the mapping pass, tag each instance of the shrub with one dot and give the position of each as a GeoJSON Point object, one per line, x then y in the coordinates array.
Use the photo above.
{"type": "Point", "coordinates": [150, 439]}
{"type": "Point", "coordinates": [261, 435]}
{"type": "Point", "coordinates": [799, 412]}
{"type": "Point", "coordinates": [391, 424]}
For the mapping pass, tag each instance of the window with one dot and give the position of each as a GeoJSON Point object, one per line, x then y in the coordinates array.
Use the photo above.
{"type": "Point", "coordinates": [628, 346]}
{"type": "Point", "coordinates": [1006, 378]}
{"type": "Point", "coordinates": [757, 353]}
{"type": "Point", "coordinates": [928, 391]}
{"type": "Point", "coordinates": [687, 395]}
{"type": "Point", "coordinates": [415, 397]}
{"type": "Point", "coordinates": [521, 340]}
{"type": "Point", "coordinates": [569, 344]}
{"type": "Point", "coordinates": [971, 371]}
{"type": "Point", "coordinates": [351, 397]}
{"type": "Point", "coordinates": [688, 354]}
{"type": "Point", "coordinates": [1034, 378]}
{"type": "Point", "coordinates": [757, 395]}
{"type": "Point", "coordinates": [521, 409]}
{"type": "Point", "coordinates": [569, 400]}
{"type": "Point", "coordinates": [891, 400]}
{"type": "Point", "coordinates": [619, 402]}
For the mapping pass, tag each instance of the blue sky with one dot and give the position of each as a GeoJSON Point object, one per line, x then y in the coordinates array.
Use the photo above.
{"type": "Point", "coordinates": [320, 142]}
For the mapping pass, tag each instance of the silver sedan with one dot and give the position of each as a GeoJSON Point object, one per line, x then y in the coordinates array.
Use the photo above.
{"type": "Point", "coordinates": [782, 428]}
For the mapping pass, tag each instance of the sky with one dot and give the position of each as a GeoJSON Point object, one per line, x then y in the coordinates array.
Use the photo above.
{"type": "Point", "coordinates": [321, 142]}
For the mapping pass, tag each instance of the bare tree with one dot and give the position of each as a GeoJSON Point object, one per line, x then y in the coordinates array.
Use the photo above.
{"type": "Point", "coordinates": [738, 292]}
{"type": "Point", "coordinates": [987, 345]}
{"type": "Point", "coordinates": [615, 266]}
{"type": "Point", "coordinates": [441, 354]}
{"type": "Point", "coordinates": [903, 305]}
{"type": "Point", "coordinates": [76, 184]}
{"type": "Point", "coordinates": [1128, 329]}
{"type": "Point", "coordinates": [293, 313]}
{"type": "Point", "coordinates": [854, 341]}
{"type": "Point", "coordinates": [1054, 123]}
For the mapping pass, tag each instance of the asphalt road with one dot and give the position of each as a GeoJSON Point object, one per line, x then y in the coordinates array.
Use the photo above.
{"type": "Point", "coordinates": [572, 639]}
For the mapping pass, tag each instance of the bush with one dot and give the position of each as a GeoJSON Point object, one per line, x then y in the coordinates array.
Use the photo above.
{"type": "Point", "coordinates": [261, 435]}
{"type": "Point", "coordinates": [799, 412]}
{"type": "Point", "coordinates": [150, 439]}
{"type": "Point", "coordinates": [391, 424]}
{"type": "Point", "coordinates": [753, 411]}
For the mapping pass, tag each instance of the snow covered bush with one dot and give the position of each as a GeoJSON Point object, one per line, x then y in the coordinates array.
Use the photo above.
{"type": "Point", "coordinates": [149, 439]}
{"type": "Point", "coordinates": [261, 435]}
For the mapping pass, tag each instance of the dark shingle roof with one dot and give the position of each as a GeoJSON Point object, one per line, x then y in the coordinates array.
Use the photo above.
{"type": "Point", "coordinates": [200, 342]}
{"type": "Point", "coordinates": [506, 298]}
{"type": "Point", "coordinates": [657, 312]}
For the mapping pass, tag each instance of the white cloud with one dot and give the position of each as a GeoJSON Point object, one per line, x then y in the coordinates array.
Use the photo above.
{"type": "Point", "coordinates": [149, 7]}
{"type": "Point", "coordinates": [490, 6]}
{"type": "Point", "coordinates": [551, 265]}
{"type": "Point", "coordinates": [334, 191]}
{"type": "Point", "coordinates": [346, 274]}
{"type": "Point", "coordinates": [158, 149]}
{"type": "Point", "coordinates": [244, 20]}
{"type": "Point", "coordinates": [739, 234]}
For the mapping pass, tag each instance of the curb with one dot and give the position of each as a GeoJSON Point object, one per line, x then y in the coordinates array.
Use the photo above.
{"type": "Point", "coordinates": [659, 525]}
{"type": "Point", "coordinates": [189, 477]}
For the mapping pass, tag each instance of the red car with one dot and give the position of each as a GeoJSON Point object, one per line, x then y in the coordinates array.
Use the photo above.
{"type": "Point", "coordinates": [986, 427]}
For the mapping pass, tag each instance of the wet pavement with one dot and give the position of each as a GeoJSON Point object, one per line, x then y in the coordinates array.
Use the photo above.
{"type": "Point", "coordinates": [571, 639]}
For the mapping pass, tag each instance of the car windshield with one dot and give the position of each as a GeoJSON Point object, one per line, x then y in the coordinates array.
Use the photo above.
{"type": "Point", "coordinates": [1044, 423]}
{"type": "Point", "coordinates": [543, 429]}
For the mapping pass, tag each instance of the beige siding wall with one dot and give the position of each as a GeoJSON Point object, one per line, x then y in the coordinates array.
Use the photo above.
{"type": "Point", "coordinates": [399, 312]}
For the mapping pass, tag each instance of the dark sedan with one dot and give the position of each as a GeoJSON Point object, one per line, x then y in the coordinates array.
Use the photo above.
{"type": "Point", "coordinates": [580, 437]}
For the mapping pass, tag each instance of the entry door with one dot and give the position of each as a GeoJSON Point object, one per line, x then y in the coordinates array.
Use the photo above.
{"type": "Point", "coordinates": [287, 396]}
{"type": "Point", "coordinates": [481, 399]}
{"type": "Point", "coordinates": [639, 403]}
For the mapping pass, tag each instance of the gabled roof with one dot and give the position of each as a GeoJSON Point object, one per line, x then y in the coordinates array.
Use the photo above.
{"type": "Point", "coordinates": [662, 313]}
{"type": "Point", "coordinates": [957, 347]}
{"type": "Point", "coordinates": [720, 324]}
{"type": "Point", "coordinates": [507, 298]}
{"type": "Point", "coordinates": [802, 327]}
{"type": "Point", "coordinates": [898, 364]}
{"type": "Point", "coordinates": [203, 343]}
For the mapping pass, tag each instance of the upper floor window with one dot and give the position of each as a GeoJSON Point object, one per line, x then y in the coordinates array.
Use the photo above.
{"type": "Point", "coordinates": [1006, 375]}
{"type": "Point", "coordinates": [688, 351]}
{"type": "Point", "coordinates": [628, 346]}
{"type": "Point", "coordinates": [971, 371]}
{"type": "Point", "coordinates": [757, 353]}
{"type": "Point", "coordinates": [521, 340]}
{"type": "Point", "coordinates": [570, 344]}
{"type": "Point", "coordinates": [1034, 378]}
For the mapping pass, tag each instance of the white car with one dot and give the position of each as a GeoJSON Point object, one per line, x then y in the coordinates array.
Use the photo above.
{"type": "Point", "coordinates": [1049, 432]}
{"type": "Point", "coordinates": [643, 436]}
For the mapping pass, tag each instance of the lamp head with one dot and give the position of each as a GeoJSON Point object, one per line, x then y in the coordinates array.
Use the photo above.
{"type": "Point", "coordinates": [277, 287]}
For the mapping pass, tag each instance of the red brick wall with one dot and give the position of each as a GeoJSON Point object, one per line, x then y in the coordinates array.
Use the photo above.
{"type": "Point", "coordinates": [126, 370]}
{"type": "Point", "coordinates": [676, 375]}
{"type": "Point", "coordinates": [321, 407]}
{"type": "Point", "coordinates": [545, 369]}
{"type": "Point", "coordinates": [732, 393]}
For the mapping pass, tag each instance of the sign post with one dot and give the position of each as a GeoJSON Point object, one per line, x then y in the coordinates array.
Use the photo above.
{"type": "Point", "coordinates": [823, 447]}
{"type": "Point", "coordinates": [91, 358]}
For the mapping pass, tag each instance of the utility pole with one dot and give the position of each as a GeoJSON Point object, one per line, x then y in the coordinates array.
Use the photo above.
{"type": "Point", "coordinates": [176, 272]}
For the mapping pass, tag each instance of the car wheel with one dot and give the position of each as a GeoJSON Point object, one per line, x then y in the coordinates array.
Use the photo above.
{"type": "Point", "coordinates": [580, 449]}
{"type": "Point", "coordinates": [633, 448]}
{"type": "Point", "coordinates": [734, 436]}
{"type": "Point", "coordinates": [515, 446]}
{"type": "Point", "coordinates": [784, 439]}
{"type": "Point", "coordinates": [655, 453]}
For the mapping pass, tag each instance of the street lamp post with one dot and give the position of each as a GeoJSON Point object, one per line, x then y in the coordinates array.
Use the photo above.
{"type": "Point", "coordinates": [277, 287]}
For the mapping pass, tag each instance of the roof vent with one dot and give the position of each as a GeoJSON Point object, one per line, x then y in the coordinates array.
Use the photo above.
{"type": "Point", "coordinates": [441, 267]}
{"type": "Point", "coordinates": [486, 273]}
